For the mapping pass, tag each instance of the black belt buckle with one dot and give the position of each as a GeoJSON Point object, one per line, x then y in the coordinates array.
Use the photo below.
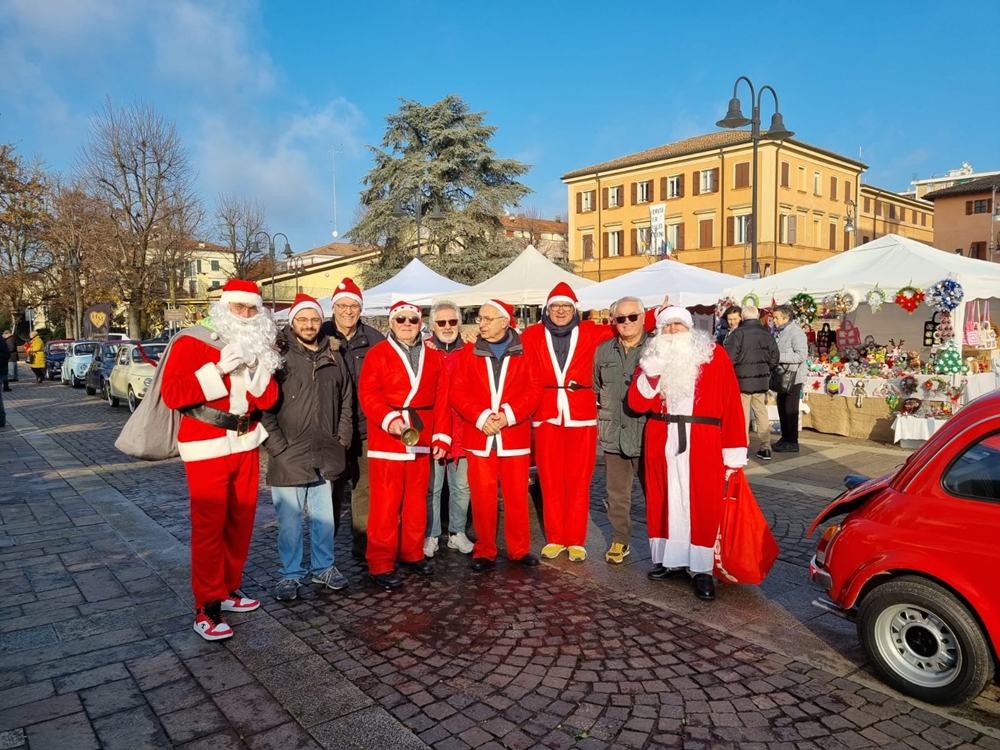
{"type": "Point", "coordinates": [242, 425]}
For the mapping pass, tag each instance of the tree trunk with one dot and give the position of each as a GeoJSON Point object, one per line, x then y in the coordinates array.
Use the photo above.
{"type": "Point", "coordinates": [134, 331]}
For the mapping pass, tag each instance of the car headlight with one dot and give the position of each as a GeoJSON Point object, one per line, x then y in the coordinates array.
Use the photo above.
{"type": "Point", "coordinates": [146, 382]}
{"type": "Point", "coordinates": [823, 546]}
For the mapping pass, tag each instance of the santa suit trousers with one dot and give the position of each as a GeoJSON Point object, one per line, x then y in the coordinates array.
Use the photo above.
{"type": "Point", "coordinates": [398, 490]}
{"type": "Point", "coordinates": [565, 457]}
{"type": "Point", "coordinates": [223, 504]}
{"type": "Point", "coordinates": [511, 474]}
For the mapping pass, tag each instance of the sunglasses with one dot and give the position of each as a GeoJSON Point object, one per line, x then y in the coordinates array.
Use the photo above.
{"type": "Point", "coordinates": [630, 318]}
{"type": "Point", "coordinates": [446, 323]}
{"type": "Point", "coordinates": [411, 319]}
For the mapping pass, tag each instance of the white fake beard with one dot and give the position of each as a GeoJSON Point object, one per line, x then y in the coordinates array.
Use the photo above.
{"type": "Point", "coordinates": [256, 334]}
{"type": "Point", "coordinates": [684, 353]}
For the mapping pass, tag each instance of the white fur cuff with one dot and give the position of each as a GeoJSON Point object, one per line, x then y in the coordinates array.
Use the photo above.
{"type": "Point", "coordinates": [211, 382]}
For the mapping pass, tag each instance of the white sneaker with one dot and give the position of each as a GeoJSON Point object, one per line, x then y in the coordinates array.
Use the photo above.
{"type": "Point", "coordinates": [460, 542]}
{"type": "Point", "coordinates": [430, 546]}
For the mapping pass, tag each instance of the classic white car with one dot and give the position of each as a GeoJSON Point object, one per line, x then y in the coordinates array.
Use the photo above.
{"type": "Point", "coordinates": [78, 357]}
{"type": "Point", "coordinates": [133, 372]}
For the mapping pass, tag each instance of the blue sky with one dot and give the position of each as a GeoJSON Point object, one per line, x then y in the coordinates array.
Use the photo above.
{"type": "Point", "coordinates": [262, 91]}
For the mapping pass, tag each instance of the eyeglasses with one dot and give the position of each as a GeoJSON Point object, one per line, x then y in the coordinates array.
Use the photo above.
{"type": "Point", "coordinates": [348, 306]}
{"type": "Point", "coordinates": [487, 321]}
{"type": "Point", "coordinates": [630, 318]}
{"type": "Point", "coordinates": [446, 323]}
{"type": "Point", "coordinates": [307, 321]}
{"type": "Point", "coordinates": [561, 306]}
{"type": "Point", "coordinates": [411, 319]}
{"type": "Point", "coordinates": [241, 307]}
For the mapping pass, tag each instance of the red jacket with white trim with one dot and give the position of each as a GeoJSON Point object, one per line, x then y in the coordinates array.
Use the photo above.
{"type": "Point", "coordinates": [388, 389]}
{"type": "Point", "coordinates": [190, 378]}
{"type": "Point", "coordinates": [476, 394]}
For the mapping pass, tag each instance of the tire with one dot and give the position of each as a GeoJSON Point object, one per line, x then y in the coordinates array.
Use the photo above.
{"type": "Point", "coordinates": [76, 381]}
{"type": "Point", "coordinates": [133, 402]}
{"type": "Point", "coordinates": [112, 401]}
{"type": "Point", "coordinates": [91, 391]}
{"type": "Point", "coordinates": [924, 642]}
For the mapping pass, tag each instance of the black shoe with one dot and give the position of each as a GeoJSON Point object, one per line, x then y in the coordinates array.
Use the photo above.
{"type": "Point", "coordinates": [704, 586]}
{"type": "Point", "coordinates": [660, 573]}
{"type": "Point", "coordinates": [479, 564]}
{"type": "Point", "coordinates": [421, 566]}
{"type": "Point", "coordinates": [782, 447]}
{"type": "Point", "coordinates": [529, 560]}
{"type": "Point", "coordinates": [7, 389]}
{"type": "Point", "coordinates": [764, 454]}
{"type": "Point", "coordinates": [387, 580]}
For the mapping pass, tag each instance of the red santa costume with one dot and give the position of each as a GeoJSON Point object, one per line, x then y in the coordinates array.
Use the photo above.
{"type": "Point", "coordinates": [389, 390]}
{"type": "Point", "coordinates": [219, 394]}
{"type": "Point", "coordinates": [482, 386]}
{"type": "Point", "coordinates": [694, 433]}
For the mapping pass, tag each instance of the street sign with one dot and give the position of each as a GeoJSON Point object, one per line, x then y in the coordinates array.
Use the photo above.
{"type": "Point", "coordinates": [174, 316]}
{"type": "Point", "coordinates": [751, 276]}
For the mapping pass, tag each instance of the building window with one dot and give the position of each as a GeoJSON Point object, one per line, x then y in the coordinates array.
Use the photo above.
{"type": "Point", "coordinates": [981, 206]}
{"type": "Point", "coordinates": [192, 288]}
{"type": "Point", "coordinates": [833, 235]}
{"type": "Point", "coordinates": [784, 174]}
{"type": "Point", "coordinates": [742, 175]}
{"type": "Point", "coordinates": [847, 189]}
{"type": "Point", "coordinates": [708, 181]}
{"type": "Point", "coordinates": [705, 233]}
{"type": "Point", "coordinates": [587, 247]}
{"type": "Point", "coordinates": [614, 196]}
{"type": "Point", "coordinates": [923, 219]}
{"type": "Point", "coordinates": [817, 183]}
{"type": "Point", "coordinates": [199, 266]}
{"type": "Point", "coordinates": [892, 211]}
{"type": "Point", "coordinates": [978, 250]}
{"type": "Point", "coordinates": [802, 179]}
{"type": "Point", "coordinates": [675, 186]}
{"type": "Point", "coordinates": [215, 265]}
{"type": "Point", "coordinates": [865, 239]}
{"type": "Point", "coordinates": [868, 205]}
{"type": "Point", "coordinates": [675, 237]}
{"type": "Point", "coordinates": [786, 229]}
{"type": "Point", "coordinates": [741, 230]}
{"type": "Point", "coordinates": [614, 244]}
{"type": "Point", "coordinates": [585, 201]}
{"type": "Point", "coordinates": [642, 239]}
{"type": "Point", "coordinates": [216, 284]}
{"type": "Point", "coordinates": [643, 192]}
{"type": "Point", "coordinates": [833, 188]}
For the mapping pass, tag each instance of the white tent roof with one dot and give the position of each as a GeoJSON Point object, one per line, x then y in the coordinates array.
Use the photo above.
{"type": "Point", "coordinates": [686, 285]}
{"type": "Point", "coordinates": [890, 262]}
{"type": "Point", "coordinates": [526, 281]}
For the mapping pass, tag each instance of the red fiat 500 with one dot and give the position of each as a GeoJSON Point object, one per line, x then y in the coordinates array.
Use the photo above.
{"type": "Point", "coordinates": [916, 561]}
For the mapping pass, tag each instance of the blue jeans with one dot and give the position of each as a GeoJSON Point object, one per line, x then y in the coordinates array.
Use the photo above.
{"type": "Point", "coordinates": [289, 503]}
{"type": "Point", "coordinates": [458, 496]}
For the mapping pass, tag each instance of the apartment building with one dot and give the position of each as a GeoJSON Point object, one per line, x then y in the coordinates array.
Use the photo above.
{"type": "Point", "coordinates": [884, 212]}
{"type": "Point", "coordinates": [968, 218]}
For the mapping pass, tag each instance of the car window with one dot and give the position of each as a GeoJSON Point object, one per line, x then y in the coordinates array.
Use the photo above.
{"type": "Point", "coordinates": [123, 357]}
{"type": "Point", "coordinates": [975, 473]}
{"type": "Point", "coordinates": [84, 348]}
{"type": "Point", "coordinates": [57, 348]}
{"type": "Point", "coordinates": [152, 352]}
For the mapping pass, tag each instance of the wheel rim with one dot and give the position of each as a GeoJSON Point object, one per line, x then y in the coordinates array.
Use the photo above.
{"type": "Point", "coordinates": [107, 394]}
{"type": "Point", "coordinates": [131, 400]}
{"type": "Point", "coordinates": [918, 645]}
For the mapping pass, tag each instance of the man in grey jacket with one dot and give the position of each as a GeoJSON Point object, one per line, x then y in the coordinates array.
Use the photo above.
{"type": "Point", "coordinates": [310, 429]}
{"type": "Point", "coordinates": [754, 353]}
{"type": "Point", "coordinates": [619, 430]}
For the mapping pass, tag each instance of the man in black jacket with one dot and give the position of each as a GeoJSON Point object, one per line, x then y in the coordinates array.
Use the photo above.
{"type": "Point", "coordinates": [754, 353]}
{"type": "Point", "coordinates": [356, 338]}
{"type": "Point", "coordinates": [310, 429]}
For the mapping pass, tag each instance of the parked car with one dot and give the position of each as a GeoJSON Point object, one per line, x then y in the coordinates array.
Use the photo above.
{"type": "Point", "coordinates": [914, 562]}
{"type": "Point", "coordinates": [55, 353]}
{"type": "Point", "coordinates": [100, 368]}
{"type": "Point", "coordinates": [133, 372]}
{"type": "Point", "coordinates": [78, 357]}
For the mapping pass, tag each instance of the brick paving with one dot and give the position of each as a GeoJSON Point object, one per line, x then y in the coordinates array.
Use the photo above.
{"type": "Point", "coordinates": [96, 646]}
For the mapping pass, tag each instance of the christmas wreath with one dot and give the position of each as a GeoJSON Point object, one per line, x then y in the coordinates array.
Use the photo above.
{"type": "Point", "coordinates": [804, 307]}
{"type": "Point", "coordinates": [839, 303]}
{"type": "Point", "coordinates": [875, 299]}
{"type": "Point", "coordinates": [908, 298]}
{"type": "Point", "coordinates": [908, 385]}
{"type": "Point", "coordinates": [945, 295]}
{"type": "Point", "coordinates": [937, 384]}
{"type": "Point", "coordinates": [723, 304]}
{"type": "Point", "coordinates": [751, 299]}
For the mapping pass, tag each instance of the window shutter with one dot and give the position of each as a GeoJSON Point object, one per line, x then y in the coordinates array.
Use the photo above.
{"type": "Point", "coordinates": [833, 188]}
{"type": "Point", "coordinates": [868, 205]}
{"type": "Point", "coordinates": [784, 174]}
{"type": "Point", "coordinates": [604, 197]}
{"type": "Point", "coordinates": [833, 236]}
{"type": "Point", "coordinates": [715, 180]}
{"type": "Point", "coordinates": [579, 203]}
{"type": "Point", "coordinates": [968, 208]}
{"type": "Point", "coordinates": [989, 208]}
{"type": "Point", "coordinates": [705, 227]}
{"type": "Point", "coordinates": [847, 189]}
{"type": "Point", "coordinates": [635, 192]}
{"type": "Point", "coordinates": [730, 230]}
{"type": "Point", "coordinates": [847, 240]}
{"type": "Point", "coordinates": [792, 227]}
{"type": "Point", "coordinates": [635, 241]}
{"type": "Point", "coordinates": [680, 186]}
{"type": "Point", "coordinates": [696, 184]}
{"type": "Point", "coordinates": [680, 236]}
{"type": "Point", "coordinates": [604, 249]}
{"type": "Point", "coordinates": [663, 188]}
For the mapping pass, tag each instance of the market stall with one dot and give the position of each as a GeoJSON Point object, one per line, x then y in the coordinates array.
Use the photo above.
{"type": "Point", "coordinates": [898, 331]}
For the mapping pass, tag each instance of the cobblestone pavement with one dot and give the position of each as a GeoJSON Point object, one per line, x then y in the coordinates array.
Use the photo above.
{"type": "Point", "coordinates": [96, 646]}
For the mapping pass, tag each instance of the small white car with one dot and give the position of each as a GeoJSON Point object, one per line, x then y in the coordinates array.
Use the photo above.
{"type": "Point", "coordinates": [133, 372]}
{"type": "Point", "coordinates": [78, 357]}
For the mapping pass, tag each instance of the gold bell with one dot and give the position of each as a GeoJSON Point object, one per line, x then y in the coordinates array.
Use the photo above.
{"type": "Point", "coordinates": [409, 437]}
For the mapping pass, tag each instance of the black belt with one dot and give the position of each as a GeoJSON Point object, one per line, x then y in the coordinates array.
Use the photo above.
{"type": "Point", "coordinates": [240, 423]}
{"type": "Point", "coordinates": [570, 387]}
{"type": "Point", "coordinates": [683, 419]}
{"type": "Point", "coordinates": [415, 421]}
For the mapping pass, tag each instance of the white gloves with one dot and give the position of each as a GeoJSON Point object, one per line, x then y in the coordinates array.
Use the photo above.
{"type": "Point", "coordinates": [233, 357]}
{"type": "Point", "coordinates": [652, 365]}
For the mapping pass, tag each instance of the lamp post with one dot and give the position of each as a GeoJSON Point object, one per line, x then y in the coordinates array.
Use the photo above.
{"type": "Point", "coordinates": [73, 264]}
{"type": "Point", "coordinates": [270, 252]}
{"type": "Point", "coordinates": [417, 206]}
{"type": "Point", "coordinates": [852, 219]}
{"type": "Point", "coordinates": [777, 132]}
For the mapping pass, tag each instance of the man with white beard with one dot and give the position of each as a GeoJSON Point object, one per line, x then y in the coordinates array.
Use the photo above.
{"type": "Point", "coordinates": [220, 393]}
{"type": "Point", "coordinates": [695, 438]}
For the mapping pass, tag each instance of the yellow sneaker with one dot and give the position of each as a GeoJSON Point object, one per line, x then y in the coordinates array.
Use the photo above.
{"type": "Point", "coordinates": [552, 551]}
{"type": "Point", "coordinates": [617, 553]}
{"type": "Point", "coordinates": [577, 554]}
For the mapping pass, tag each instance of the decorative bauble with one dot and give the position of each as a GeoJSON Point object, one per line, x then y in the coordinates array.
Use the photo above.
{"type": "Point", "coordinates": [803, 307]}
{"type": "Point", "coordinates": [948, 360]}
{"type": "Point", "coordinates": [945, 295]}
{"type": "Point", "coordinates": [909, 298]}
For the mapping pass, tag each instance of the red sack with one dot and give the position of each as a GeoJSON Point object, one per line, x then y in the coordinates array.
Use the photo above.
{"type": "Point", "coordinates": [745, 549]}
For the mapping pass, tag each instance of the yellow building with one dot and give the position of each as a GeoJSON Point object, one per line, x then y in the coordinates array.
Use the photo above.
{"type": "Point", "coordinates": [705, 186]}
{"type": "Point", "coordinates": [885, 212]}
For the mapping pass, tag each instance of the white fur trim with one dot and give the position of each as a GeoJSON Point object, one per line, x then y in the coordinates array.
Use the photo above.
{"type": "Point", "coordinates": [666, 314]}
{"type": "Point", "coordinates": [398, 308]}
{"type": "Point", "coordinates": [734, 457]}
{"type": "Point", "coordinates": [501, 452]}
{"type": "Point", "coordinates": [247, 298]}
{"type": "Point", "coordinates": [211, 382]}
{"type": "Point", "coordinates": [258, 383]}
{"type": "Point", "coordinates": [303, 306]}
{"type": "Point", "coordinates": [509, 413]}
{"type": "Point", "coordinates": [482, 418]}
{"type": "Point", "coordinates": [441, 438]}
{"type": "Point", "coordinates": [496, 303]}
{"type": "Point", "coordinates": [349, 295]}
{"type": "Point", "coordinates": [238, 402]}
{"type": "Point", "coordinates": [560, 298]}
{"type": "Point", "coordinates": [644, 386]}
{"type": "Point", "coordinates": [390, 418]}
{"type": "Point", "coordinates": [226, 445]}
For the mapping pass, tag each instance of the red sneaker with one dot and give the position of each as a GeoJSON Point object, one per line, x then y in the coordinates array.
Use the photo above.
{"type": "Point", "coordinates": [236, 603]}
{"type": "Point", "coordinates": [210, 625]}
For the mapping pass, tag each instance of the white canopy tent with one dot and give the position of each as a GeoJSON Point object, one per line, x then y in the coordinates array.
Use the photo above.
{"type": "Point", "coordinates": [526, 281]}
{"type": "Point", "coordinates": [686, 285]}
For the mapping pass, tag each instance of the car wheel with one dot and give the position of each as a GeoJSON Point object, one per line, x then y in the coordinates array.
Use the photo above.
{"type": "Point", "coordinates": [76, 381]}
{"type": "Point", "coordinates": [924, 642]}
{"type": "Point", "coordinates": [112, 401]}
{"type": "Point", "coordinates": [91, 391]}
{"type": "Point", "coordinates": [133, 402]}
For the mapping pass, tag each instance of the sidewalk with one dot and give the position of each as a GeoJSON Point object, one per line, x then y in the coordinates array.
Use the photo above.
{"type": "Point", "coordinates": [97, 647]}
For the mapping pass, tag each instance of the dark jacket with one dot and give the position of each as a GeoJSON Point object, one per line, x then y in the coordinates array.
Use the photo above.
{"type": "Point", "coordinates": [310, 426]}
{"type": "Point", "coordinates": [354, 350]}
{"type": "Point", "coordinates": [5, 352]}
{"type": "Point", "coordinates": [754, 353]}
{"type": "Point", "coordinates": [619, 429]}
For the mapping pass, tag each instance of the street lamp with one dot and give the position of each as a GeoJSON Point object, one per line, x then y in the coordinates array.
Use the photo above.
{"type": "Point", "coordinates": [852, 219]}
{"type": "Point", "coordinates": [73, 264]}
{"type": "Point", "coordinates": [298, 264]}
{"type": "Point", "coordinates": [270, 252]}
{"type": "Point", "coordinates": [417, 206]}
{"type": "Point", "coordinates": [777, 132]}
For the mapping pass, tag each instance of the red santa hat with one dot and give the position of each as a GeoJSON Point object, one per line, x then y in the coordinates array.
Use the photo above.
{"type": "Point", "coordinates": [347, 289]}
{"type": "Point", "coordinates": [403, 306]}
{"type": "Point", "coordinates": [562, 292]}
{"type": "Point", "coordinates": [238, 290]}
{"type": "Point", "coordinates": [673, 314]}
{"type": "Point", "coordinates": [506, 310]}
{"type": "Point", "coordinates": [304, 302]}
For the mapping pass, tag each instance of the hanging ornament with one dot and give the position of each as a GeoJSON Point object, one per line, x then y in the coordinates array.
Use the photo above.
{"type": "Point", "coordinates": [722, 304]}
{"type": "Point", "coordinates": [945, 295]}
{"type": "Point", "coordinates": [751, 299]}
{"type": "Point", "coordinates": [804, 307]}
{"type": "Point", "coordinates": [840, 303]}
{"type": "Point", "coordinates": [859, 393]}
{"type": "Point", "coordinates": [893, 401]}
{"type": "Point", "coordinates": [908, 385]}
{"type": "Point", "coordinates": [909, 298]}
{"type": "Point", "coordinates": [875, 299]}
{"type": "Point", "coordinates": [948, 360]}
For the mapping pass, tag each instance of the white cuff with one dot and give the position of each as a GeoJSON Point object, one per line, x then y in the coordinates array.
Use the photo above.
{"type": "Point", "coordinates": [482, 419]}
{"type": "Point", "coordinates": [257, 384]}
{"type": "Point", "coordinates": [734, 457]}
{"type": "Point", "coordinates": [644, 387]}
{"type": "Point", "coordinates": [440, 438]}
{"type": "Point", "coordinates": [509, 412]}
{"type": "Point", "coordinates": [390, 418]}
{"type": "Point", "coordinates": [212, 385]}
